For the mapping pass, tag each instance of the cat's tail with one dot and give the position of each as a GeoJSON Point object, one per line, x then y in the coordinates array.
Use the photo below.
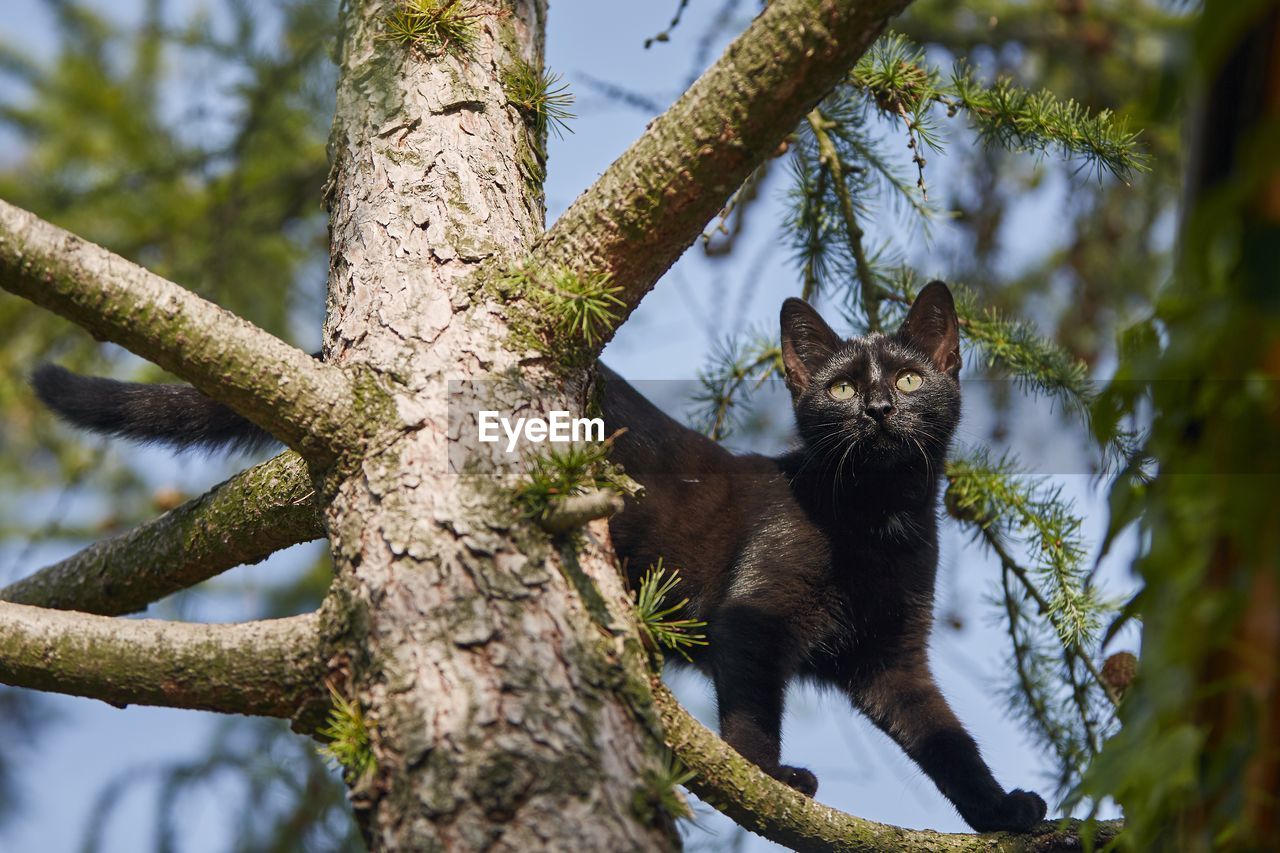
{"type": "Point", "coordinates": [176, 416]}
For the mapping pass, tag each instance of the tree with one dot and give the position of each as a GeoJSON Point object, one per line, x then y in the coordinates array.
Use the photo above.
{"type": "Point", "coordinates": [437, 161]}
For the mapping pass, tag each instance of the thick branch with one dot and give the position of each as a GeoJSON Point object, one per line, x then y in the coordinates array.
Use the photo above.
{"type": "Point", "coordinates": [652, 203]}
{"type": "Point", "coordinates": [244, 520]}
{"type": "Point", "coordinates": [272, 668]}
{"type": "Point", "coordinates": [303, 402]}
{"type": "Point", "coordinates": [734, 786]}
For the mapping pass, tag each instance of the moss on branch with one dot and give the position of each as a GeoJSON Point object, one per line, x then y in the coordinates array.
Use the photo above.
{"type": "Point", "coordinates": [244, 520]}
{"type": "Point", "coordinates": [727, 781]}
{"type": "Point", "coordinates": [271, 668]}
{"type": "Point", "coordinates": [303, 402]}
{"type": "Point", "coordinates": [654, 200]}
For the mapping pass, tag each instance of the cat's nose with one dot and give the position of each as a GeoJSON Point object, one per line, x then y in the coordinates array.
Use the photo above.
{"type": "Point", "coordinates": [879, 409]}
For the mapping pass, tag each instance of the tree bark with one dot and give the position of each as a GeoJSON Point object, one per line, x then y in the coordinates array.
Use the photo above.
{"type": "Point", "coordinates": [272, 668]}
{"type": "Point", "coordinates": [244, 520]}
{"type": "Point", "coordinates": [501, 715]}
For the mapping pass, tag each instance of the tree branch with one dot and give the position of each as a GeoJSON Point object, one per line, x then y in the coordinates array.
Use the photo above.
{"type": "Point", "coordinates": [654, 200]}
{"type": "Point", "coordinates": [570, 513]}
{"type": "Point", "coordinates": [273, 668]}
{"type": "Point", "coordinates": [241, 521]}
{"type": "Point", "coordinates": [767, 807]}
{"type": "Point", "coordinates": [303, 402]}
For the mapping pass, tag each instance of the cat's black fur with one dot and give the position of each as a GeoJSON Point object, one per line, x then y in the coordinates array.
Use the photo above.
{"type": "Point", "coordinates": [818, 564]}
{"type": "Point", "coordinates": [177, 416]}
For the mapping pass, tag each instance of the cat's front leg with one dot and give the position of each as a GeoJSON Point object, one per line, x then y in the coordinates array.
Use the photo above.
{"type": "Point", "coordinates": [905, 702]}
{"type": "Point", "coordinates": [750, 660]}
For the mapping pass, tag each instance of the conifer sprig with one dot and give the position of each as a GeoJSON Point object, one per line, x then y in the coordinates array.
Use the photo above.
{"type": "Point", "coordinates": [567, 469]}
{"type": "Point", "coordinates": [1005, 507]}
{"type": "Point", "coordinates": [896, 75]}
{"type": "Point", "coordinates": [1053, 611]}
{"type": "Point", "coordinates": [664, 787]}
{"type": "Point", "coordinates": [434, 26]}
{"type": "Point", "coordinates": [840, 174]}
{"type": "Point", "coordinates": [541, 96]}
{"type": "Point", "coordinates": [736, 365]}
{"type": "Point", "coordinates": [347, 732]}
{"type": "Point", "coordinates": [573, 312]}
{"type": "Point", "coordinates": [656, 616]}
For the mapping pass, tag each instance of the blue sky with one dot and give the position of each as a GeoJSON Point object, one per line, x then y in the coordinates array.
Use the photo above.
{"type": "Point", "coordinates": [696, 304]}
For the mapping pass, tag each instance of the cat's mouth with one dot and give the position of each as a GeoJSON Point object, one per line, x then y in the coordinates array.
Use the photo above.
{"type": "Point", "coordinates": [879, 429]}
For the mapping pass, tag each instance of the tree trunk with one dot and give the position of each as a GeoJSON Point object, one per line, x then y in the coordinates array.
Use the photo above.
{"type": "Point", "coordinates": [493, 692]}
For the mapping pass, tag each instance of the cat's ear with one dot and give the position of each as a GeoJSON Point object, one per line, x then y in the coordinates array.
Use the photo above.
{"type": "Point", "coordinates": [807, 343]}
{"type": "Point", "coordinates": [932, 327]}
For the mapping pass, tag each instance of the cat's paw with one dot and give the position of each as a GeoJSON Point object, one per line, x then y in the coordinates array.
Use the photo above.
{"type": "Point", "coordinates": [799, 778]}
{"type": "Point", "coordinates": [1023, 810]}
{"type": "Point", "coordinates": [1016, 811]}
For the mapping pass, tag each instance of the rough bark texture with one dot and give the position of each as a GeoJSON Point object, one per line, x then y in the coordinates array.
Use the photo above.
{"type": "Point", "coordinates": [734, 786]}
{"type": "Point", "coordinates": [653, 201]}
{"type": "Point", "coordinates": [500, 720]}
{"type": "Point", "coordinates": [275, 385]}
{"type": "Point", "coordinates": [273, 668]}
{"type": "Point", "coordinates": [244, 520]}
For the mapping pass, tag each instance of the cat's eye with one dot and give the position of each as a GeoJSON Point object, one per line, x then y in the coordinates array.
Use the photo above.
{"type": "Point", "coordinates": [909, 381]}
{"type": "Point", "coordinates": [841, 390]}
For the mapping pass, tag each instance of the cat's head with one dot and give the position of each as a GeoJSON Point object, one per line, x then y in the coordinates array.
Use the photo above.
{"type": "Point", "coordinates": [878, 400]}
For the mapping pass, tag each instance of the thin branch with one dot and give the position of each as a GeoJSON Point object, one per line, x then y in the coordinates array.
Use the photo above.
{"type": "Point", "coordinates": [997, 547]}
{"type": "Point", "coordinates": [571, 512]}
{"type": "Point", "coordinates": [303, 402]}
{"type": "Point", "coordinates": [828, 156]}
{"type": "Point", "coordinates": [272, 668]}
{"type": "Point", "coordinates": [241, 521]}
{"type": "Point", "coordinates": [655, 199]}
{"type": "Point", "coordinates": [727, 781]}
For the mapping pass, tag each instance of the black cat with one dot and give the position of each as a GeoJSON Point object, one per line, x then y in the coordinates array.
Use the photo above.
{"type": "Point", "coordinates": [819, 564]}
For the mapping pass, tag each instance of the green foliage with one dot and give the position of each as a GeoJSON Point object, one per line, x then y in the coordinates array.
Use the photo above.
{"type": "Point", "coordinates": [347, 733]}
{"type": "Point", "coordinates": [676, 634]}
{"type": "Point", "coordinates": [738, 366]}
{"type": "Point", "coordinates": [566, 469]}
{"type": "Point", "coordinates": [571, 313]}
{"type": "Point", "coordinates": [661, 791]}
{"type": "Point", "coordinates": [1190, 765]}
{"type": "Point", "coordinates": [540, 96]}
{"type": "Point", "coordinates": [583, 306]}
{"type": "Point", "coordinates": [896, 75]}
{"type": "Point", "coordinates": [434, 26]}
{"type": "Point", "coordinates": [1004, 505]}
{"type": "Point", "coordinates": [1052, 610]}
{"type": "Point", "coordinates": [197, 149]}
{"type": "Point", "coordinates": [102, 148]}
